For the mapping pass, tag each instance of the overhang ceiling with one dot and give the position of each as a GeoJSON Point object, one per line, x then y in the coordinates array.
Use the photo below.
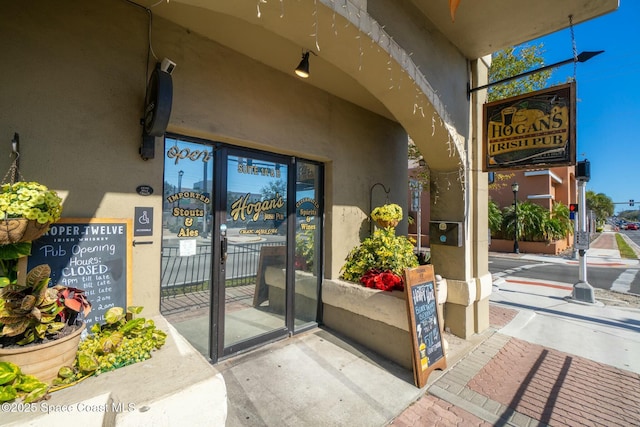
{"type": "Point", "coordinates": [482, 27]}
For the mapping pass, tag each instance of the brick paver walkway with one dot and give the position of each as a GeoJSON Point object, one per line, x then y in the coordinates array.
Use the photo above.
{"type": "Point", "coordinates": [605, 241]}
{"type": "Point", "coordinates": [557, 388]}
{"type": "Point", "coordinates": [430, 411]}
{"type": "Point", "coordinates": [508, 381]}
{"type": "Point", "coordinates": [500, 316]}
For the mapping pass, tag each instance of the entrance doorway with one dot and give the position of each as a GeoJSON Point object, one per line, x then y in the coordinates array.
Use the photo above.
{"type": "Point", "coordinates": [241, 251]}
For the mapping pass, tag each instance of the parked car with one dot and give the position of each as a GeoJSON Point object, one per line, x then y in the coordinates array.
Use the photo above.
{"type": "Point", "coordinates": [632, 226]}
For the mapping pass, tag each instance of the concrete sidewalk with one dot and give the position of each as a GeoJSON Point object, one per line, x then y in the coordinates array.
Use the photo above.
{"type": "Point", "coordinates": [546, 361]}
{"type": "Point", "coordinates": [552, 363]}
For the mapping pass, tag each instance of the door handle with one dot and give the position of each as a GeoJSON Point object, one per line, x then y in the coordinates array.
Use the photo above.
{"type": "Point", "coordinates": [223, 243]}
{"type": "Point", "coordinates": [223, 250]}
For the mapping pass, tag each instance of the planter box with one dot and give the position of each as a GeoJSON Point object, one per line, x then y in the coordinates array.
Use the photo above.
{"type": "Point", "coordinates": [375, 319]}
{"type": "Point", "coordinates": [553, 248]}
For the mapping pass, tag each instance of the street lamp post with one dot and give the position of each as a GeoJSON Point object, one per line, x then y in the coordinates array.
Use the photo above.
{"type": "Point", "coordinates": [515, 187]}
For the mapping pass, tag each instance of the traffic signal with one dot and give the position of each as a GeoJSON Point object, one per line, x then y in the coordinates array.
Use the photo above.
{"type": "Point", "coordinates": [573, 210]}
{"type": "Point", "coordinates": [631, 202]}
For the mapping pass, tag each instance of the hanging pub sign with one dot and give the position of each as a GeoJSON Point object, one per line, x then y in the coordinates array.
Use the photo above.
{"type": "Point", "coordinates": [534, 130]}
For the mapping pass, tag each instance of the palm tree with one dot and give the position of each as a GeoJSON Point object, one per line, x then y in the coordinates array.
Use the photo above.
{"type": "Point", "coordinates": [495, 219]}
{"type": "Point", "coordinates": [537, 224]}
{"type": "Point", "coordinates": [600, 204]}
{"type": "Point", "coordinates": [559, 225]}
{"type": "Point", "coordinates": [530, 219]}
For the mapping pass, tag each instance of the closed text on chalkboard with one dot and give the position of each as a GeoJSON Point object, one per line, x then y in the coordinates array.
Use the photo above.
{"type": "Point", "coordinates": [89, 254]}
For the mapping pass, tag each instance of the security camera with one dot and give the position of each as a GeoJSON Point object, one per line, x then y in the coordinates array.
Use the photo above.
{"type": "Point", "coordinates": [167, 65]}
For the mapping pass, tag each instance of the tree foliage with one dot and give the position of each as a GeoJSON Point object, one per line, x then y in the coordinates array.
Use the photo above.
{"type": "Point", "coordinates": [630, 215]}
{"type": "Point", "coordinates": [600, 204]}
{"type": "Point", "coordinates": [534, 223]}
{"type": "Point", "coordinates": [516, 60]}
{"type": "Point", "coordinates": [274, 188]}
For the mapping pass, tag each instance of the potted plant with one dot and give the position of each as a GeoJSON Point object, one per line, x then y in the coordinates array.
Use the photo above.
{"type": "Point", "coordinates": [387, 215]}
{"type": "Point", "coordinates": [39, 329]}
{"type": "Point", "coordinates": [379, 261]}
{"type": "Point", "coordinates": [377, 320]}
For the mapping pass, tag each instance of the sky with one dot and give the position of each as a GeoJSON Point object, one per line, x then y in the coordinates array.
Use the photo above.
{"type": "Point", "coordinates": [608, 98]}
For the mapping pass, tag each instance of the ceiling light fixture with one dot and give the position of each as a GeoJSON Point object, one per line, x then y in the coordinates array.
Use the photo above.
{"type": "Point", "coordinates": [302, 70]}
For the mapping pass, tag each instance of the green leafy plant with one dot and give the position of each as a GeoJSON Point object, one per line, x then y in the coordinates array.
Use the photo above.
{"type": "Point", "coordinates": [305, 250]}
{"type": "Point", "coordinates": [387, 213]}
{"type": "Point", "coordinates": [14, 384]}
{"type": "Point", "coordinates": [122, 340]}
{"type": "Point", "coordinates": [9, 255]}
{"type": "Point", "coordinates": [30, 200]}
{"type": "Point", "coordinates": [383, 251]}
{"type": "Point", "coordinates": [535, 223]}
{"type": "Point", "coordinates": [33, 312]}
{"type": "Point", "coordinates": [495, 218]}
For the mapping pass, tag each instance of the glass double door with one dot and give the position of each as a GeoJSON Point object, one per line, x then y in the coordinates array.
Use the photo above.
{"type": "Point", "coordinates": [241, 245]}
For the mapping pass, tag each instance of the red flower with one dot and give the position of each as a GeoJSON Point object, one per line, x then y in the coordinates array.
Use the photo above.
{"type": "Point", "coordinates": [383, 280]}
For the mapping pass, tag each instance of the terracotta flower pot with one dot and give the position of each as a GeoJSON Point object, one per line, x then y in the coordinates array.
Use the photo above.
{"type": "Point", "coordinates": [44, 360]}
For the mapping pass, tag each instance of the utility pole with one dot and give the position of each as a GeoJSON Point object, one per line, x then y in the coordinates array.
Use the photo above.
{"type": "Point", "coordinates": [582, 290]}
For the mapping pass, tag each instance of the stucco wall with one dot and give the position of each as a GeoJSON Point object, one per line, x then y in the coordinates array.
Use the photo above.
{"type": "Point", "coordinates": [444, 66]}
{"type": "Point", "coordinates": [73, 85]}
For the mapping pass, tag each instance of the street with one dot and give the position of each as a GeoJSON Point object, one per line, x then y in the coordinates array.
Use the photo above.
{"type": "Point", "coordinates": [634, 235]}
{"type": "Point", "coordinates": [620, 278]}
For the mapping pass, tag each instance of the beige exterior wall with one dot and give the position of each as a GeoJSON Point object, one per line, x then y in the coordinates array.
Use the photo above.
{"type": "Point", "coordinates": [75, 73]}
{"type": "Point", "coordinates": [77, 82]}
{"type": "Point", "coordinates": [444, 66]}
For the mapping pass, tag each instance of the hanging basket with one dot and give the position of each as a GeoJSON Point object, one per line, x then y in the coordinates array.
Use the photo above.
{"type": "Point", "coordinates": [16, 230]}
{"type": "Point", "coordinates": [385, 224]}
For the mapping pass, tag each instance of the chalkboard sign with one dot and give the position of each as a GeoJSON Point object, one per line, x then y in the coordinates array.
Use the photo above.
{"type": "Point", "coordinates": [424, 328]}
{"type": "Point", "coordinates": [91, 254]}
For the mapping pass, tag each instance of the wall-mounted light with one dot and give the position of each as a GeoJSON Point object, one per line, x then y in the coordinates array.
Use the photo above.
{"type": "Point", "coordinates": [302, 70]}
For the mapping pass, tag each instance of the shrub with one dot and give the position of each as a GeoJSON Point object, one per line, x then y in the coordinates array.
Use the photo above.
{"type": "Point", "coordinates": [382, 251]}
{"type": "Point", "coordinates": [535, 223]}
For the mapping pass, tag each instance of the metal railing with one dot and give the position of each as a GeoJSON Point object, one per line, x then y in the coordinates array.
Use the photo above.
{"type": "Point", "coordinates": [187, 274]}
